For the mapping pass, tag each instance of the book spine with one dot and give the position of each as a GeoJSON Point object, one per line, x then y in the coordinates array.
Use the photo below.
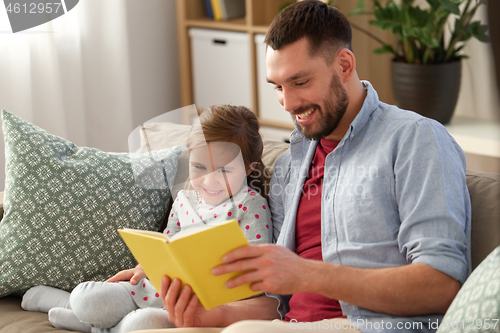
{"type": "Point", "coordinates": [216, 10]}
{"type": "Point", "coordinates": [223, 9]}
{"type": "Point", "coordinates": [208, 9]}
{"type": "Point", "coordinates": [233, 8]}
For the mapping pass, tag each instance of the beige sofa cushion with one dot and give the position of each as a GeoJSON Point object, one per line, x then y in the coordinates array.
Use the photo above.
{"type": "Point", "coordinates": [13, 319]}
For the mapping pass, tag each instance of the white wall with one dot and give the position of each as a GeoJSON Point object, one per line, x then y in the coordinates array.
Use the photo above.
{"type": "Point", "coordinates": [154, 61]}
{"type": "Point", "coordinates": [94, 86]}
{"type": "Point", "coordinates": [478, 96]}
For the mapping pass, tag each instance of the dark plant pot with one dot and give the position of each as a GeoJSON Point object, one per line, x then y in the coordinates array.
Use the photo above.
{"type": "Point", "coordinates": [431, 90]}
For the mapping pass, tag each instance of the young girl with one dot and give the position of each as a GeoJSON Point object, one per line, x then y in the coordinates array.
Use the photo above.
{"type": "Point", "coordinates": [225, 151]}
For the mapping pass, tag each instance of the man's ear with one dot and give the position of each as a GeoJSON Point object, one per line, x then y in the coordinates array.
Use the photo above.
{"type": "Point", "coordinates": [347, 64]}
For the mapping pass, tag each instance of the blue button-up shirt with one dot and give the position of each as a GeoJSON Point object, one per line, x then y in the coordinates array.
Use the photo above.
{"type": "Point", "coordinates": [394, 193]}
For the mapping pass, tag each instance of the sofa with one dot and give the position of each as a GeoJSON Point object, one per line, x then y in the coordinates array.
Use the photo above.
{"type": "Point", "coordinates": [484, 190]}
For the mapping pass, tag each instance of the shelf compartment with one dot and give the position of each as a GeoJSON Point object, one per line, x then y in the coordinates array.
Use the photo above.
{"type": "Point", "coordinates": [238, 24]}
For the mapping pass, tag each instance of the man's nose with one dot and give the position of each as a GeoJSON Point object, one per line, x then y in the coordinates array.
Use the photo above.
{"type": "Point", "coordinates": [290, 101]}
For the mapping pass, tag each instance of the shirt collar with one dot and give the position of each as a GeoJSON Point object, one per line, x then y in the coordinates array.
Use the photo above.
{"type": "Point", "coordinates": [370, 104]}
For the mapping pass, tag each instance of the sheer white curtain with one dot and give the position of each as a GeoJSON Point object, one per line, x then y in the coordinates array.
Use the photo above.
{"type": "Point", "coordinates": [93, 74]}
{"type": "Point", "coordinates": [478, 96]}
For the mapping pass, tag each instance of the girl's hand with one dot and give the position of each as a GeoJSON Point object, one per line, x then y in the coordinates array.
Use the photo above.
{"type": "Point", "coordinates": [134, 275]}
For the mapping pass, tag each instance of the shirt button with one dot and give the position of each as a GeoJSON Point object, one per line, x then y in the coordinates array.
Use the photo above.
{"type": "Point", "coordinates": [328, 197]}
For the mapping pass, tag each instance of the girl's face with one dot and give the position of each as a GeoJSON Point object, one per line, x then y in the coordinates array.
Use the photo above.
{"type": "Point", "coordinates": [217, 171]}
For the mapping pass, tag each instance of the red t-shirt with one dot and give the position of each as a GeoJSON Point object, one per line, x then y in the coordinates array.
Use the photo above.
{"type": "Point", "coordinates": [306, 306]}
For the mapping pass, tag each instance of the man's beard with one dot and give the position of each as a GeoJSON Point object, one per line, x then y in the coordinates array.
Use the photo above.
{"type": "Point", "coordinates": [330, 116]}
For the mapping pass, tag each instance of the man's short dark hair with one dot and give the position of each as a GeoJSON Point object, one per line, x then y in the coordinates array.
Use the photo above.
{"type": "Point", "coordinates": [325, 27]}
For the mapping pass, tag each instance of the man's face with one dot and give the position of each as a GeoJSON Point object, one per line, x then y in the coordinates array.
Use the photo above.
{"type": "Point", "coordinates": [308, 88]}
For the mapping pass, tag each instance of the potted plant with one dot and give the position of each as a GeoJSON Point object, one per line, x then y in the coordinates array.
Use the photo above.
{"type": "Point", "coordinates": [430, 35]}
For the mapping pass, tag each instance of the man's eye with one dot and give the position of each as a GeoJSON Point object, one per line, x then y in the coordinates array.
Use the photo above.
{"type": "Point", "coordinates": [301, 83]}
{"type": "Point", "coordinates": [277, 88]}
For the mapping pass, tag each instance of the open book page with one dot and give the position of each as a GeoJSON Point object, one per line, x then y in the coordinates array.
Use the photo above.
{"type": "Point", "coordinates": [190, 231]}
{"type": "Point", "coordinates": [149, 233]}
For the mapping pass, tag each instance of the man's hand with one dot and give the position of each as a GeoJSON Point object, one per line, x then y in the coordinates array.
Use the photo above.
{"type": "Point", "coordinates": [183, 307]}
{"type": "Point", "coordinates": [134, 275]}
{"type": "Point", "coordinates": [271, 268]}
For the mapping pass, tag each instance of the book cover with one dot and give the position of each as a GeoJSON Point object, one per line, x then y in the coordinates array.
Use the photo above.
{"type": "Point", "coordinates": [232, 8]}
{"type": "Point", "coordinates": [190, 256]}
{"type": "Point", "coordinates": [216, 10]}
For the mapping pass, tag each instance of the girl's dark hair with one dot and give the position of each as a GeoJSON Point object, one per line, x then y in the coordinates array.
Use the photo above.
{"type": "Point", "coordinates": [239, 125]}
{"type": "Point", "coordinates": [325, 27]}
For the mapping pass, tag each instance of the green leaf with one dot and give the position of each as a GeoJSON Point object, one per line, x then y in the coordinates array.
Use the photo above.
{"type": "Point", "coordinates": [451, 6]}
{"type": "Point", "coordinates": [283, 6]}
{"type": "Point", "coordinates": [360, 9]}
{"type": "Point", "coordinates": [434, 4]}
{"type": "Point", "coordinates": [361, 4]}
{"type": "Point", "coordinates": [386, 48]}
{"type": "Point", "coordinates": [357, 11]}
{"type": "Point", "coordinates": [459, 48]}
{"type": "Point", "coordinates": [419, 17]}
{"type": "Point", "coordinates": [425, 38]}
{"type": "Point", "coordinates": [478, 30]}
{"type": "Point", "coordinates": [389, 17]}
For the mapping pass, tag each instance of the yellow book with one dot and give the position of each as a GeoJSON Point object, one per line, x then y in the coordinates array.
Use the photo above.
{"type": "Point", "coordinates": [190, 256]}
{"type": "Point", "coordinates": [216, 10]}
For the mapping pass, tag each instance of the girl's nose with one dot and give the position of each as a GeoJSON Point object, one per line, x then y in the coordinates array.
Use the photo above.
{"type": "Point", "coordinates": [211, 178]}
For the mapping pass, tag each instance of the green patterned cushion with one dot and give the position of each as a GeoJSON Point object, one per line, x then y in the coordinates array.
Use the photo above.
{"type": "Point", "coordinates": [63, 204]}
{"type": "Point", "coordinates": [476, 308]}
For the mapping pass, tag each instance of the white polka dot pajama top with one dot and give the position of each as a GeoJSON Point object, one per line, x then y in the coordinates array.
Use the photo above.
{"type": "Point", "coordinates": [248, 207]}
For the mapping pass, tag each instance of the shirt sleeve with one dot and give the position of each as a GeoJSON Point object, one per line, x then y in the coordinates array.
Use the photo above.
{"type": "Point", "coordinates": [433, 200]}
{"type": "Point", "coordinates": [254, 217]}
